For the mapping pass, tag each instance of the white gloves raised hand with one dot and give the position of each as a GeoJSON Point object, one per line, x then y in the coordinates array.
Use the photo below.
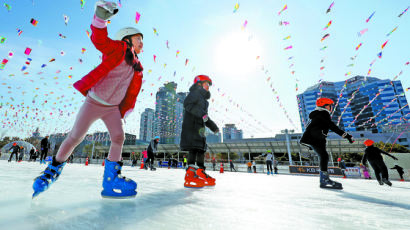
{"type": "Point", "coordinates": [105, 10]}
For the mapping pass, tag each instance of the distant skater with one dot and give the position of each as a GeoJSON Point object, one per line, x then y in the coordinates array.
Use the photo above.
{"type": "Point", "coordinates": [374, 156]}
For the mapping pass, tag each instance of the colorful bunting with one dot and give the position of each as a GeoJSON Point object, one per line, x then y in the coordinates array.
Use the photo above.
{"type": "Point", "coordinates": [324, 37]}
{"type": "Point", "coordinates": [236, 7]}
{"type": "Point", "coordinates": [403, 12]}
{"type": "Point", "coordinates": [392, 31]}
{"type": "Point", "coordinates": [330, 7]}
{"type": "Point", "coordinates": [328, 24]}
{"type": "Point", "coordinates": [137, 17]}
{"type": "Point", "coordinates": [33, 22]}
{"type": "Point", "coordinates": [368, 19]}
{"type": "Point", "coordinates": [284, 8]}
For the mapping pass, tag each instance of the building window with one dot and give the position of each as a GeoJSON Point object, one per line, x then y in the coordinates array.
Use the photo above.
{"type": "Point", "coordinates": [402, 139]}
{"type": "Point", "coordinates": [361, 135]}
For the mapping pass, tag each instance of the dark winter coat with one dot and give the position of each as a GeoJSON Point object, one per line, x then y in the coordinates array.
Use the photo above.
{"type": "Point", "coordinates": [318, 127]}
{"type": "Point", "coordinates": [44, 144]}
{"type": "Point", "coordinates": [399, 169]}
{"type": "Point", "coordinates": [152, 147]}
{"type": "Point", "coordinates": [373, 154]}
{"type": "Point", "coordinates": [32, 152]}
{"type": "Point", "coordinates": [342, 165]}
{"type": "Point", "coordinates": [193, 126]}
{"type": "Point", "coordinates": [15, 148]}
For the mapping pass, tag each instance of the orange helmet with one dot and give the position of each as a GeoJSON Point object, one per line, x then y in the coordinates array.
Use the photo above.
{"type": "Point", "coordinates": [368, 142]}
{"type": "Point", "coordinates": [14, 144]}
{"type": "Point", "coordinates": [200, 78]}
{"type": "Point", "coordinates": [320, 102]}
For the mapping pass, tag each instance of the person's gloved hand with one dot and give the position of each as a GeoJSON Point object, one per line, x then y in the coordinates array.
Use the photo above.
{"type": "Point", "coordinates": [205, 118]}
{"type": "Point", "coordinates": [105, 10]}
{"type": "Point", "coordinates": [349, 138]}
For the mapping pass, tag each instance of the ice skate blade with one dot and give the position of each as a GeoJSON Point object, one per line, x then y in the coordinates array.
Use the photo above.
{"type": "Point", "coordinates": [331, 187]}
{"type": "Point", "coordinates": [115, 195]}
{"type": "Point", "coordinates": [35, 194]}
{"type": "Point", "coordinates": [193, 187]}
{"type": "Point", "coordinates": [118, 197]}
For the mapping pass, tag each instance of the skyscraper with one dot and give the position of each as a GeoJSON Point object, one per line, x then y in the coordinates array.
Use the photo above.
{"type": "Point", "coordinates": [147, 125]}
{"type": "Point", "coordinates": [361, 103]}
{"type": "Point", "coordinates": [230, 132]}
{"type": "Point", "coordinates": [168, 113]}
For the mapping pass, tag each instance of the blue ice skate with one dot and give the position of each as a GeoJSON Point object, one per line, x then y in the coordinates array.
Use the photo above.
{"type": "Point", "coordinates": [268, 172]}
{"type": "Point", "coordinates": [114, 184]}
{"type": "Point", "coordinates": [325, 182]}
{"type": "Point", "coordinates": [49, 176]}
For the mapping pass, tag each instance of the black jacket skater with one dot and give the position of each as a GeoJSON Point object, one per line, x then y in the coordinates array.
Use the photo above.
{"type": "Point", "coordinates": [45, 145]}
{"type": "Point", "coordinates": [374, 154]}
{"type": "Point", "coordinates": [399, 169]}
{"type": "Point", "coordinates": [152, 147]}
{"type": "Point", "coordinates": [193, 126]}
{"type": "Point", "coordinates": [318, 127]}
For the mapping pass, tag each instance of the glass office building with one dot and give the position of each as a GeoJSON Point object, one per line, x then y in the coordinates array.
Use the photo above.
{"type": "Point", "coordinates": [362, 103]}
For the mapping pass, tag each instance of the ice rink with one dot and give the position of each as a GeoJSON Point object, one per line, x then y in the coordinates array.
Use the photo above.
{"type": "Point", "coordinates": [238, 201]}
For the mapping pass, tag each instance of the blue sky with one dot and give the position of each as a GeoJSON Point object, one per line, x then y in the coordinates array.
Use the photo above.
{"type": "Point", "coordinates": [209, 34]}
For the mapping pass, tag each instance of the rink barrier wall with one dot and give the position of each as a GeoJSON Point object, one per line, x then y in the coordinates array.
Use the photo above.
{"type": "Point", "coordinates": [283, 167]}
{"type": "Point", "coordinates": [300, 169]}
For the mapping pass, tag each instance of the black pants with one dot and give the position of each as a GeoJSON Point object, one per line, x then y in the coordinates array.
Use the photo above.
{"type": "Point", "coordinates": [401, 176]}
{"type": "Point", "coordinates": [197, 156]}
{"type": "Point", "coordinates": [213, 166]}
{"type": "Point", "coordinates": [150, 159]}
{"type": "Point", "coordinates": [276, 169]}
{"type": "Point", "coordinates": [254, 169]}
{"type": "Point", "coordinates": [232, 167]}
{"type": "Point", "coordinates": [11, 156]}
{"type": "Point", "coordinates": [43, 154]}
{"type": "Point", "coordinates": [379, 167]}
{"type": "Point", "coordinates": [269, 165]}
{"type": "Point", "coordinates": [323, 156]}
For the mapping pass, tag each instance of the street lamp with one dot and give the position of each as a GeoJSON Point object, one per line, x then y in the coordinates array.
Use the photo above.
{"type": "Point", "coordinates": [286, 132]}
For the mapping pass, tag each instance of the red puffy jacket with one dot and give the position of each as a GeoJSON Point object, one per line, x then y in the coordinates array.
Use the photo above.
{"type": "Point", "coordinates": [113, 54]}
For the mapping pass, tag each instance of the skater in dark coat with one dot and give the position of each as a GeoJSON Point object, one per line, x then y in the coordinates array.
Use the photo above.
{"type": "Point", "coordinates": [152, 150]}
{"type": "Point", "coordinates": [193, 131]}
{"type": "Point", "coordinates": [374, 156]}
{"type": "Point", "coordinates": [15, 150]}
{"type": "Point", "coordinates": [32, 153]}
{"type": "Point", "coordinates": [400, 171]}
{"type": "Point", "coordinates": [342, 166]}
{"type": "Point", "coordinates": [232, 166]}
{"type": "Point", "coordinates": [45, 145]}
{"type": "Point", "coordinates": [315, 135]}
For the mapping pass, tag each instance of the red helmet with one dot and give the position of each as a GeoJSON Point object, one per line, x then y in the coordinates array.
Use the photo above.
{"type": "Point", "coordinates": [200, 78]}
{"type": "Point", "coordinates": [14, 144]}
{"type": "Point", "coordinates": [320, 102]}
{"type": "Point", "coordinates": [368, 142]}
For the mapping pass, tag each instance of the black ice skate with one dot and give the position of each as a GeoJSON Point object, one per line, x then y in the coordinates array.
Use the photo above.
{"type": "Point", "coordinates": [380, 182]}
{"type": "Point", "coordinates": [386, 181]}
{"type": "Point", "coordinates": [325, 182]}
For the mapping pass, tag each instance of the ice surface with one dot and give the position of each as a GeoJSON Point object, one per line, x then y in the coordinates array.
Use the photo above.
{"type": "Point", "coordinates": [238, 201]}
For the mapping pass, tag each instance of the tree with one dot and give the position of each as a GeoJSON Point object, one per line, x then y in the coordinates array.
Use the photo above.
{"type": "Point", "coordinates": [7, 140]}
{"type": "Point", "coordinates": [388, 147]}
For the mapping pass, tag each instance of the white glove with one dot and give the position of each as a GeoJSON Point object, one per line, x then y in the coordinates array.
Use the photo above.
{"type": "Point", "coordinates": [105, 10]}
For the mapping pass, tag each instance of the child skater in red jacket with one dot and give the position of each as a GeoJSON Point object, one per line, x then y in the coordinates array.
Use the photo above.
{"type": "Point", "coordinates": [111, 90]}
